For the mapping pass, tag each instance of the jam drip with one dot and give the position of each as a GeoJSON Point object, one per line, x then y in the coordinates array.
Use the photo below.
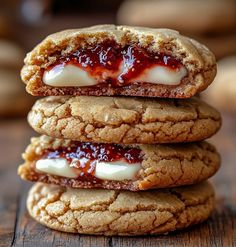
{"type": "Point", "coordinates": [84, 156]}
{"type": "Point", "coordinates": [110, 63]}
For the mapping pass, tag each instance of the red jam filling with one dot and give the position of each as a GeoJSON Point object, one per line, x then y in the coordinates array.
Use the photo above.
{"type": "Point", "coordinates": [108, 56]}
{"type": "Point", "coordinates": [89, 153]}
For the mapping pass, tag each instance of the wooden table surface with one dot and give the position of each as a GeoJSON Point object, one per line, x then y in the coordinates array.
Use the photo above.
{"type": "Point", "coordinates": [18, 229]}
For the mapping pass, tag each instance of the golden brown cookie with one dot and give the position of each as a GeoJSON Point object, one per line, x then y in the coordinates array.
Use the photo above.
{"type": "Point", "coordinates": [124, 120]}
{"type": "Point", "coordinates": [222, 93]}
{"type": "Point", "coordinates": [110, 212]}
{"type": "Point", "coordinates": [119, 60]}
{"type": "Point", "coordinates": [219, 17]}
{"type": "Point", "coordinates": [133, 167]}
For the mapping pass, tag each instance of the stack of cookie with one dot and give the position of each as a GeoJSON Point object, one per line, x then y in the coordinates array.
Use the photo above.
{"type": "Point", "coordinates": [120, 164]}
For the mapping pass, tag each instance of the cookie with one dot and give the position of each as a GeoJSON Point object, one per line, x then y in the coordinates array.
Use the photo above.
{"type": "Point", "coordinates": [118, 60]}
{"type": "Point", "coordinates": [123, 119]}
{"type": "Point", "coordinates": [223, 93]}
{"type": "Point", "coordinates": [111, 212]}
{"type": "Point", "coordinates": [130, 167]}
{"type": "Point", "coordinates": [181, 14]}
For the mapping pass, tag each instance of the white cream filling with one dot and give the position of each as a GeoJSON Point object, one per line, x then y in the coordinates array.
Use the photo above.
{"type": "Point", "coordinates": [119, 170]}
{"type": "Point", "coordinates": [162, 75]}
{"type": "Point", "coordinates": [58, 167]}
{"type": "Point", "coordinates": [73, 76]}
{"type": "Point", "coordinates": [68, 76]}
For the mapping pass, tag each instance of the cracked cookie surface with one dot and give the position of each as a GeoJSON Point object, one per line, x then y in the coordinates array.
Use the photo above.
{"type": "Point", "coordinates": [198, 60]}
{"type": "Point", "coordinates": [161, 165]}
{"type": "Point", "coordinates": [111, 212]}
{"type": "Point", "coordinates": [124, 120]}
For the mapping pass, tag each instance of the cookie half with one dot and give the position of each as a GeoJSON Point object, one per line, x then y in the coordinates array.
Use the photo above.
{"type": "Point", "coordinates": [131, 167]}
{"type": "Point", "coordinates": [119, 60]}
{"type": "Point", "coordinates": [124, 120]}
{"type": "Point", "coordinates": [111, 212]}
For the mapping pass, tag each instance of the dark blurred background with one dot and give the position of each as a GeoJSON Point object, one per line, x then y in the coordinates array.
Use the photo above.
{"type": "Point", "coordinates": [24, 23]}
